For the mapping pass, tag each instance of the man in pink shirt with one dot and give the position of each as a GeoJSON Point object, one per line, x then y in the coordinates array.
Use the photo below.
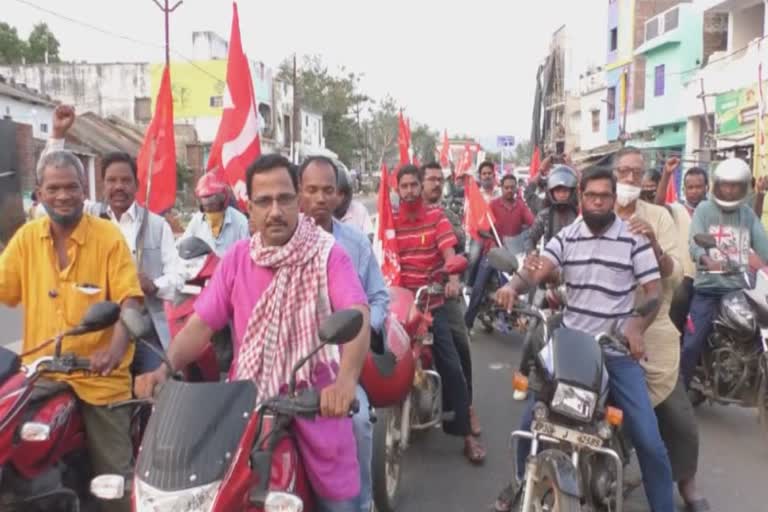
{"type": "Point", "coordinates": [277, 288]}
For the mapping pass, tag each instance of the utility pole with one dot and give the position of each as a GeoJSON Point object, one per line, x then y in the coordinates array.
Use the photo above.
{"type": "Point", "coordinates": [296, 114]}
{"type": "Point", "coordinates": [167, 12]}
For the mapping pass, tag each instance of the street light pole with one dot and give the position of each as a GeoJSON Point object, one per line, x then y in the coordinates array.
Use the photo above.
{"type": "Point", "coordinates": [167, 12]}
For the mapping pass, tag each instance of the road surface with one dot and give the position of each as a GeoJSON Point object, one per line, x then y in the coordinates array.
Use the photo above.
{"type": "Point", "coordinates": [10, 325]}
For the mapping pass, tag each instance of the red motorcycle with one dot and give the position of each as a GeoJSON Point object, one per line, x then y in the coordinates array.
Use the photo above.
{"type": "Point", "coordinates": [200, 262]}
{"type": "Point", "coordinates": [415, 382]}
{"type": "Point", "coordinates": [212, 447]}
{"type": "Point", "coordinates": [43, 465]}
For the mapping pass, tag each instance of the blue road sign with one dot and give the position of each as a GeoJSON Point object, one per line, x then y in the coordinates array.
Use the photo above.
{"type": "Point", "coordinates": [505, 141]}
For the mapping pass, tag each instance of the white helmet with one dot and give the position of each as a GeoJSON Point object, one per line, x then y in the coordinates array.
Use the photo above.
{"type": "Point", "coordinates": [732, 170]}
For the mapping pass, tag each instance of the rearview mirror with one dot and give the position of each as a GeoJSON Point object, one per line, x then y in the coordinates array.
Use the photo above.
{"type": "Point", "coordinates": [502, 260]}
{"type": "Point", "coordinates": [98, 317]}
{"type": "Point", "coordinates": [341, 327]}
{"type": "Point", "coordinates": [455, 264]}
{"type": "Point", "coordinates": [705, 240]}
{"type": "Point", "coordinates": [138, 325]}
{"type": "Point", "coordinates": [193, 247]}
{"type": "Point", "coordinates": [648, 307]}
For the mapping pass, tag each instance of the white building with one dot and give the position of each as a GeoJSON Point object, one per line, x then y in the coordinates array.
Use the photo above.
{"type": "Point", "coordinates": [25, 106]}
{"type": "Point", "coordinates": [594, 114]}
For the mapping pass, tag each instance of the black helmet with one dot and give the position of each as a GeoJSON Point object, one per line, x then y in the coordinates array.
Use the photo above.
{"type": "Point", "coordinates": [561, 176]}
{"type": "Point", "coordinates": [343, 188]}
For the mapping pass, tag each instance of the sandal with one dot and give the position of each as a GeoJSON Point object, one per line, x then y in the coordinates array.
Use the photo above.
{"type": "Point", "coordinates": [474, 451]}
{"type": "Point", "coordinates": [474, 423]}
{"type": "Point", "coordinates": [506, 498]}
{"type": "Point", "coordinates": [700, 505]}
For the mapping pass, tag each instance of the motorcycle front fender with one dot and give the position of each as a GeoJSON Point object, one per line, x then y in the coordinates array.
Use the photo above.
{"type": "Point", "coordinates": [565, 473]}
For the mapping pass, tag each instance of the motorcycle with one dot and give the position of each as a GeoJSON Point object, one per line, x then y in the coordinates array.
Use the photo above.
{"type": "Point", "coordinates": [211, 446]}
{"type": "Point", "coordinates": [584, 451]}
{"type": "Point", "coordinates": [422, 407]}
{"type": "Point", "coordinates": [734, 367]}
{"type": "Point", "coordinates": [43, 464]}
{"type": "Point", "coordinates": [200, 262]}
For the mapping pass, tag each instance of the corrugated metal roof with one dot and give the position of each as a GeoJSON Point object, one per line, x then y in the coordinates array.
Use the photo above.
{"type": "Point", "coordinates": [105, 135]}
{"type": "Point", "coordinates": [23, 94]}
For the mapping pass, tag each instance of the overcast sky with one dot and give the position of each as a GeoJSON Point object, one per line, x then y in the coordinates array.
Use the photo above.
{"type": "Point", "coordinates": [469, 69]}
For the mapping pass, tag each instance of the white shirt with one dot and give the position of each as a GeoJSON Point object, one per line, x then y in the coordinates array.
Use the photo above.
{"type": "Point", "coordinates": [172, 278]}
{"type": "Point", "coordinates": [357, 215]}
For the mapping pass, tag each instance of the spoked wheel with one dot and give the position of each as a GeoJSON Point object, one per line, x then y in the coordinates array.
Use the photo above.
{"type": "Point", "coordinates": [547, 496]}
{"type": "Point", "coordinates": [387, 459]}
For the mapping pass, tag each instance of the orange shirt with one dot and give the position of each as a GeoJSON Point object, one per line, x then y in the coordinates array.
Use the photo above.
{"type": "Point", "coordinates": [54, 300]}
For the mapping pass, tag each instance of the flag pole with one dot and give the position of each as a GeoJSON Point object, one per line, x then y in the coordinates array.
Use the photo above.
{"type": "Point", "coordinates": [493, 229]}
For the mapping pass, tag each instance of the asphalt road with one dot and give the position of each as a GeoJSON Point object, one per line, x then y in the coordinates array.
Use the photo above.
{"type": "Point", "coordinates": [10, 325]}
{"type": "Point", "coordinates": [732, 462]}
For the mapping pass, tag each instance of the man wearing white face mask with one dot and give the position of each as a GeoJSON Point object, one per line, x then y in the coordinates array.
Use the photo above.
{"type": "Point", "coordinates": [677, 423]}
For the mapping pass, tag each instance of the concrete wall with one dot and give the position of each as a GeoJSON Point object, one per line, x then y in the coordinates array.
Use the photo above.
{"type": "Point", "coordinates": [106, 89]}
{"type": "Point", "coordinates": [38, 117]}
{"type": "Point", "coordinates": [590, 101]}
{"type": "Point", "coordinates": [745, 25]}
{"type": "Point", "coordinates": [209, 45]}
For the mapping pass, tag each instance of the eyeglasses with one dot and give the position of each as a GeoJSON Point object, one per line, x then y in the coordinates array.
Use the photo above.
{"type": "Point", "coordinates": [283, 201]}
{"type": "Point", "coordinates": [623, 172]}
{"type": "Point", "coordinates": [594, 196]}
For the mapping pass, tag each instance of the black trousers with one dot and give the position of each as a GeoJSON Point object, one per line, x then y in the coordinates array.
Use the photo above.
{"type": "Point", "coordinates": [678, 428]}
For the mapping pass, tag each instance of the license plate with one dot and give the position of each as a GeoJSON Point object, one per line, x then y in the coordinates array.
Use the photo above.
{"type": "Point", "coordinates": [566, 434]}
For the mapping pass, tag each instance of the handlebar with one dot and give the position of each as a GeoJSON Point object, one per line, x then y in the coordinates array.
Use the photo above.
{"type": "Point", "coordinates": [305, 404]}
{"type": "Point", "coordinates": [67, 363]}
{"type": "Point", "coordinates": [134, 401]}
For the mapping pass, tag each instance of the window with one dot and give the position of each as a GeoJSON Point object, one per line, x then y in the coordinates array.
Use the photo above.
{"type": "Point", "coordinates": [671, 19]}
{"type": "Point", "coordinates": [595, 121]}
{"type": "Point", "coordinates": [43, 128]}
{"type": "Point", "coordinates": [613, 44]}
{"type": "Point", "coordinates": [651, 28]}
{"type": "Point", "coordinates": [217, 101]}
{"type": "Point", "coordinates": [658, 86]}
{"type": "Point", "coordinates": [611, 101]}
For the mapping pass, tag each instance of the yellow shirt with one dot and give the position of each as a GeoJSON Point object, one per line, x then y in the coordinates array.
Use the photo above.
{"type": "Point", "coordinates": [662, 339]}
{"type": "Point", "coordinates": [100, 268]}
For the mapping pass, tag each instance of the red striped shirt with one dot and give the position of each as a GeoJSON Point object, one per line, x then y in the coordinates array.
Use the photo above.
{"type": "Point", "coordinates": [422, 236]}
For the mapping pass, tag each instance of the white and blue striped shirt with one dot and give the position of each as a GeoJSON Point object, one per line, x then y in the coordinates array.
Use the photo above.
{"type": "Point", "coordinates": [601, 273]}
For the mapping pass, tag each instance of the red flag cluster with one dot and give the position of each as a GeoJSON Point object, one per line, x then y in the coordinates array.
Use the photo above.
{"type": "Point", "coordinates": [404, 139]}
{"type": "Point", "coordinates": [445, 151]}
{"type": "Point", "coordinates": [390, 263]}
{"type": "Point", "coordinates": [237, 142]}
{"type": "Point", "coordinates": [156, 160]}
{"type": "Point", "coordinates": [477, 213]}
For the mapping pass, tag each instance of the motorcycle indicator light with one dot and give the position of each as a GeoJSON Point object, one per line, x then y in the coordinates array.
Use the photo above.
{"type": "Point", "coordinates": [614, 416]}
{"type": "Point", "coordinates": [283, 502]}
{"type": "Point", "coordinates": [35, 432]}
{"type": "Point", "coordinates": [108, 487]}
{"type": "Point", "coordinates": [520, 382]}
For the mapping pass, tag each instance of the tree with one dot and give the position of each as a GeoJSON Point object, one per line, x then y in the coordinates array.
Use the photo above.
{"type": "Point", "coordinates": [424, 143]}
{"type": "Point", "coordinates": [336, 97]}
{"type": "Point", "coordinates": [42, 42]}
{"type": "Point", "coordinates": [382, 133]}
{"type": "Point", "coordinates": [523, 152]}
{"type": "Point", "coordinates": [12, 48]}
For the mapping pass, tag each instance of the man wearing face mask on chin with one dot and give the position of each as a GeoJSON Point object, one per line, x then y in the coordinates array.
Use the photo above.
{"type": "Point", "coordinates": [674, 412]}
{"type": "Point", "coordinates": [217, 224]}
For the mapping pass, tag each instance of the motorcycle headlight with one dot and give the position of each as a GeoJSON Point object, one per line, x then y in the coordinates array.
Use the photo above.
{"type": "Point", "coordinates": [574, 402]}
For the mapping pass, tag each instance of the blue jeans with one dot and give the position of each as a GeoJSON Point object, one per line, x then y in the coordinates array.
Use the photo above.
{"type": "Point", "coordinates": [363, 429]}
{"type": "Point", "coordinates": [702, 313]}
{"type": "Point", "coordinates": [324, 505]}
{"type": "Point", "coordinates": [629, 393]}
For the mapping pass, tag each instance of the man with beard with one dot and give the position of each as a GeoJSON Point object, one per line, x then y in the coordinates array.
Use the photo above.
{"type": "Point", "coordinates": [603, 264]}
{"type": "Point", "coordinates": [56, 267]}
{"type": "Point", "coordinates": [318, 178]}
{"type": "Point", "coordinates": [433, 179]}
{"type": "Point", "coordinates": [425, 241]}
{"type": "Point", "coordinates": [674, 411]}
{"type": "Point", "coordinates": [217, 224]}
{"type": "Point", "coordinates": [277, 288]}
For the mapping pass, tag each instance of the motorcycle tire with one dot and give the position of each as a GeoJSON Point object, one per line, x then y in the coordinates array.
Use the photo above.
{"type": "Point", "coordinates": [387, 459]}
{"type": "Point", "coordinates": [546, 491]}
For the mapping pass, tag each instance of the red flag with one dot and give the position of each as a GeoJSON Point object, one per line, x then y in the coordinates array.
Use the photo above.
{"type": "Point", "coordinates": [477, 213]}
{"type": "Point", "coordinates": [390, 263]}
{"type": "Point", "coordinates": [465, 162]}
{"type": "Point", "coordinates": [535, 163]}
{"type": "Point", "coordinates": [416, 161]}
{"type": "Point", "coordinates": [237, 142]}
{"type": "Point", "coordinates": [403, 140]}
{"type": "Point", "coordinates": [156, 161]}
{"type": "Point", "coordinates": [671, 194]}
{"type": "Point", "coordinates": [445, 151]}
